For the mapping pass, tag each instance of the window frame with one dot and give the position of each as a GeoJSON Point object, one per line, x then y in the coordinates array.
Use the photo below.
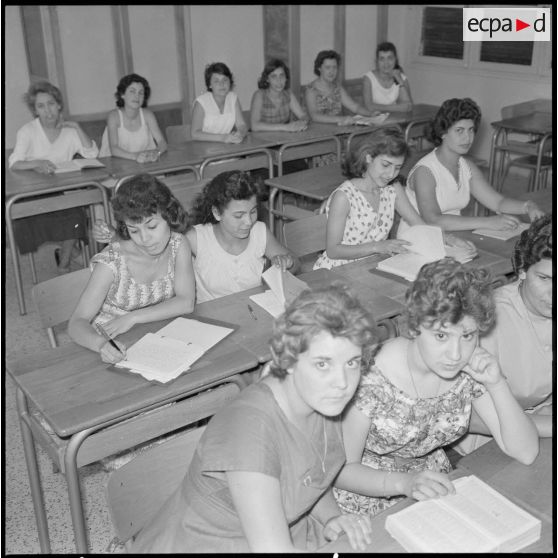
{"type": "Point", "coordinates": [538, 69]}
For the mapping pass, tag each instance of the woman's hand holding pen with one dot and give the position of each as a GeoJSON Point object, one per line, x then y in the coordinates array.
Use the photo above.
{"type": "Point", "coordinates": [110, 354]}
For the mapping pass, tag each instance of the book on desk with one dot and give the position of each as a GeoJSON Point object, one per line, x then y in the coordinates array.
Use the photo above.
{"type": "Point", "coordinates": [476, 518]}
{"type": "Point", "coordinates": [164, 355]}
{"type": "Point", "coordinates": [427, 245]}
{"type": "Point", "coordinates": [503, 235]}
{"type": "Point", "coordinates": [77, 165]}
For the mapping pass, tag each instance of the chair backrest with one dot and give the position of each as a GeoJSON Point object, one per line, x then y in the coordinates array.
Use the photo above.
{"type": "Point", "coordinates": [179, 133]}
{"type": "Point", "coordinates": [185, 189]}
{"type": "Point", "coordinates": [138, 489]}
{"type": "Point", "coordinates": [307, 235]}
{"type": "Point", "coordinates": [57, 298]}
{"type": "Point", "coordinates": [247, 115]}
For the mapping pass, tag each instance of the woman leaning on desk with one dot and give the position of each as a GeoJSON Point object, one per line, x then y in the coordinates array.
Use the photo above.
{"type": "Point", "coordinates": [522, 338]}
{"type": "Point", "coordinates": [441, 184]}
{"type": "Point", "coordinates": [386, 88]}
{"type": "Point", "coordinates": [417, 392]}
{"type": "Point", "coordinates": [40, 144]}
{"type": "Point", "coordinates": [217, 114]}
{"type": "Point", "coordinates": [273, 104]}
{"type": "Point", "coordinates": [132, 130]}
{"type": "Point", "coordinates": [260, 478]}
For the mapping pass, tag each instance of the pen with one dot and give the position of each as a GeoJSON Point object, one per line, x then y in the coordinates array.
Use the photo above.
{"type": "Point", "coordinates": [251, 310]}
{"type": "Point", "coordinates": [109, 338]}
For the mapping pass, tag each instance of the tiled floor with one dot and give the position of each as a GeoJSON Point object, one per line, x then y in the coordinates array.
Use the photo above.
{"type": "Point", "coordinates": [23, 335]}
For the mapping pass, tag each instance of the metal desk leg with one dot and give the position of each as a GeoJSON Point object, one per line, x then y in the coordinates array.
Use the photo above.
{"type": "Point", "coordinates": [74, 489]}
{"type": "Point", "coordinates": [33, 472]}
{"type": "Point", "coordinates": [15, 258]}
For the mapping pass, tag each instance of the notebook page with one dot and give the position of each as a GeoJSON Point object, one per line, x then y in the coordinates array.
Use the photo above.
{"type": "Point", "coordinates": [292, 286]}
{"type": "Point", "coordinates": [195, 332]}
{"type": "Point", "coordinates": [425, 240]}
{"type": "Point", "coordinates": [272, 277]}
{"type": "Point", "coordinates": [503, 235]}
{"type": "Point", "coordinates": [405, 265]}
{"type": "Point", "coordinates": [269, 302]}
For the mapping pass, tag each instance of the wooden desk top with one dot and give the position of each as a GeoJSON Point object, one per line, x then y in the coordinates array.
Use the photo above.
{"type": "Point", "coordinates": [533, 123]}
{"type": "Point", "coordinates": [316, 183]}
{"type": "Point", "coordinates": [75, 390]}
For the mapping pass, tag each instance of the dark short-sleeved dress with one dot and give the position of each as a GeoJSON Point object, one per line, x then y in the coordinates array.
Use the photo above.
{"type": "Point", "coordinates": [273, 113]}
{"type": "Point", "coordinates": [251, 434]}
{"type": "Point", "coordinates": [407, 433]}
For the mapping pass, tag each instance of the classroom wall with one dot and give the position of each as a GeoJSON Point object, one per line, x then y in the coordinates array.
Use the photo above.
{"type": "Point", "coordinates": [316, 33]}
{"type": "Point", "coordinates": [360, 39]}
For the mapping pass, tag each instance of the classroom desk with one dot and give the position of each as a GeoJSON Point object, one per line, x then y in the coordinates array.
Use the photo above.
{"type": "Point", "coordinates": [65, 190]}
{"type": "Point", "coordinates": [536, 123]}
{"type": "Point", "coordinates": [98, 412]}
{"type": "Point", "coordinates": [527, 486]}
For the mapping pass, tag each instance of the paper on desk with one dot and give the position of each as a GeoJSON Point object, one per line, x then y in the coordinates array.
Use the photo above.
{"type": "Point", "coordinates": [427, 245]}
{"type": "Point", "coordinates": [196, 332]}
{"type": "Point", "coordinates": [284, 287]}
{"type": "Point", "coordinates": [371, 120]}
{"type": "Point", "coordinates": [502, 235]}
{"type": "Point", "coordinates": [77, 165]}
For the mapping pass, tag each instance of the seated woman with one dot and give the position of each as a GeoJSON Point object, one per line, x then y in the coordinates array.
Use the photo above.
{"type": "Point", "coordinates": [144, 276]}
{"type": "Point", "coordinates": [360, 212]}
{"type": "Point", "coordinates": [386, 88]}
{"type": "Point", "coordinates": [416, 395]}
{"type": "Point", "coordinates": [132, 130]}
{"type": "Point", "coordinates": [521, 339]}
{"type": "Point", "coordinates": [217, 114]}
{"type": "Point", "coordinates": [260, 479]}
{"type": "Point", "coordinates": [228, 242]}
{"type": "Point", "coordinates": [440, 185]}
{"type": "Point", "coordinates": [325, 97]}
{"type": "Point", "coordinates": [274, 103]}
{"type": "Point", "coordinates": [40, 144]}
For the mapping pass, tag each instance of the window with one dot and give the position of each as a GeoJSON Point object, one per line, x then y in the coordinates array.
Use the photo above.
{"type": "Point", "coordinates": [34, 42]}
{"type": "Point", "coordinates": [442, 32]}
{"type": "Point", "coordinates": [505, 52]}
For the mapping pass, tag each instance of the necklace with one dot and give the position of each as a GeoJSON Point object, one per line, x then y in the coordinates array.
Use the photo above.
{"type": "Point", "coordinates": [545, 347]}
{"type": "Point", "coordinates": [413, 380]}
{"type": "Point", "coordinates": [322, 459]}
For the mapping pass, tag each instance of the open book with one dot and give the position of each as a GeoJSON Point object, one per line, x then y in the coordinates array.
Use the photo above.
{"type": "Point", "coordinates": [427, 245]}
{"type": "Point", "coordinates": [77, 165]}
{"type": "Point", "coordinates": [283, 287]}
{"type": "Point", "coordinates": [475, 519]}
{"type": "Point", "coordinates": [375, 120]}
{"type": "Point", "coordinates": [164, 355]}
{"type": "Point", "coordinates": [503, 235]}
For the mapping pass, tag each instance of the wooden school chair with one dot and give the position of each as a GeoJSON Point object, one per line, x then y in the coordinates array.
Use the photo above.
{"type": "Point", "coordinates": [137, 490]}
{"type": "Point", "coordinates": [185, 189]}
{"type": "Point", "coordinates": [306, 238]}
{"type": "Point", "coordinates": [57, 298]}
{"type": "Point", "coordinates": [252, 159]}
{"type": "Point", "coordinates": [179, 133]}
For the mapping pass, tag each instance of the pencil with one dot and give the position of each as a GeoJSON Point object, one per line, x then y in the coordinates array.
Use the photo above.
{"type": "Point", "coordinates": [251, 310]}
{"type": "Point", "coordinates": [109, 338]}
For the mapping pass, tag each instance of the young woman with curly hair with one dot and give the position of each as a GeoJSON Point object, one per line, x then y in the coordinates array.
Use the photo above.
{"type": "Point", "coordinates": [441, 184]}
{"type": "Point", "coordinates": [228, 242]}
{"type": "Point", "coordinates": [522, 337]}
{"type": "Point", "coordinates": [260, 479]}
{"type": "Point", "coordinates": [417, 394]}
{"type": "Point", "coordinates": [144, 275]}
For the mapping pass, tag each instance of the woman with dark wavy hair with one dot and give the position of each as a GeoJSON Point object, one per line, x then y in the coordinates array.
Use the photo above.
{"type": "Point", "coordinates": [274, 104]}
{"type": "Point", "coordinates": [441, 184]}
{"type": "Point", "coordinates": [260, 479]}
{"type": "Point", "coordinates": [230, 246]}
{"type": "Point", "coordinates": [417, 395]}
{"type": "Point", "coordinates": [522, 337]}
{"type": "Point", "coordinates": [144, 275]}
{"type": "Point", "coordinates": [132, 130]}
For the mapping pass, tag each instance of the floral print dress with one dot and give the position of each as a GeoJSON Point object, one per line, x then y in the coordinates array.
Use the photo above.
{"type": "Point", "coordinates": [407, 433]}
{"type": "Point", "coordinates": [364, 223]}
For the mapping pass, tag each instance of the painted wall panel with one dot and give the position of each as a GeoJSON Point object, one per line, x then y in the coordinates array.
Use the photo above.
{"type": "Point", "coordinates": [89, 62]}
{"type": "Point", "coordinates": [316, 33]}
{"type": "Point", "coordinates": [153, 37]}
{"type": "Point", "coordinates": [360, 42]}
{"type": "Point", "coordinates": [233, 35]}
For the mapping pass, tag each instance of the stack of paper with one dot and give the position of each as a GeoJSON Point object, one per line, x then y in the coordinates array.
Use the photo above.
{"type": "Point", "coordinates": [427, 245]}
{"type": "Point", "coordinates": [475, 519]}
{"type": "Point", "coordinates": [283, 287]}
{"type": "Point", "coordinates": [375, 120]}
{"type": "Point", "coordinates": [503, 235]}
{"type": "Point", "coordinates": [164, 355]}
{"type": "Point", "coordinates": [77, 165]}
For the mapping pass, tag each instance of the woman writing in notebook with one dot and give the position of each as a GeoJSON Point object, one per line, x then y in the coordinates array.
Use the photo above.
{"type": "Point", "coordinates": [42, 143]}
{"type": "Point", "coordinates": [144, 275]}
{"type": "Point", "coordinates": [361, 211]}
{"type": "Point", "coordinates": [230, 246]}
{"type": "Point", "coordinates": [521, 339]}
{"type": "Point", "coordinates": [132, 130]}
{"type": "Point", "coordinates": [386, 88]}
{"type": "Point", "coordinates": [217, 114]}
{"type": "Point", "coordinates": [260, 479]}
{"type": "Point", "coordinates": [416, 395]}
{"type": "Point", "coordinates": [441, 184]}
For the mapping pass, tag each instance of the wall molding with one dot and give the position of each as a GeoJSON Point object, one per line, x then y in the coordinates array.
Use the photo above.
{"type": "Point", "coordinates": [185, 54]}
{"type": "Point", "coordinates": [122, 40]}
